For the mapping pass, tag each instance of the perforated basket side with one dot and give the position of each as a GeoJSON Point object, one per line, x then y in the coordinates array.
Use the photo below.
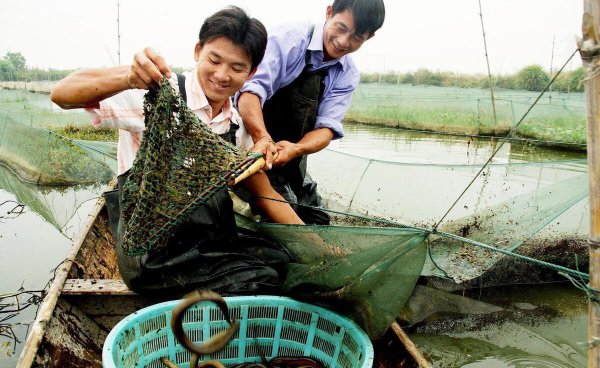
{"type": "Point", "coordinates": [269, 326]}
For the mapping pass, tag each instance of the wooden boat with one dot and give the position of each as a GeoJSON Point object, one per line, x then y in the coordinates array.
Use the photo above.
{"type": "Point", "coordinates": [87, 298]}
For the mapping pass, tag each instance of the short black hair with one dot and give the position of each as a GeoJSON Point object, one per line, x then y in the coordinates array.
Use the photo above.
{"type": "Point", "coordinates": [233, 23]}
{"type": "Point", "coordinates": [368, 14]}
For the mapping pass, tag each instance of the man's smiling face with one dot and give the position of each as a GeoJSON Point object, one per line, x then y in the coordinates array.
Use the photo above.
{"type": "Point", "coordinates": [339, 38]}
{"type": "Point", "coordinates": [223, 68]}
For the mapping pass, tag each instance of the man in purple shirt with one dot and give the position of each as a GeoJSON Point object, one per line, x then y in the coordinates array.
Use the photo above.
{"type": "Point", "coordinates": [304, 85]}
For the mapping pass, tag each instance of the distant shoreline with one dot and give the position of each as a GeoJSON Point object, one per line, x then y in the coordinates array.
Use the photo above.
{"type": "Point", "coordinates": [36, 86]}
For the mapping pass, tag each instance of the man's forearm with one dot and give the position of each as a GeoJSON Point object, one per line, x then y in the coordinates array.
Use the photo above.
{"type": "Point", "coordinates": [314, 141]}
{"type": "Point", "coordinates": [87, 87]}
{"type": "Point", "coordinates": [251, 113]}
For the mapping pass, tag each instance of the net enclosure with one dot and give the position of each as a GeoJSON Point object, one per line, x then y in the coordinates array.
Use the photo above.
{"type": "Point", "coordinates": [558, 119]}
{"type": "Point", "coordinates": [530, 207]}
{"type": "Point", "coordinates": [40, 156]}
{"type": "Point", "coordinates": [365, 272]}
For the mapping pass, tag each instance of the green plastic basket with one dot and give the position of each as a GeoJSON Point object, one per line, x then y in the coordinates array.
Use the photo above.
{"type": "Point", "coordinates": [269, 325]}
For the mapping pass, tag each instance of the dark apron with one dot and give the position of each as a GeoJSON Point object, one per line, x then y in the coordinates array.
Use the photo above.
{"type": "Point", "coordinates": [206, 251]}
{"type": "Point", "coordinates": [289, 115]}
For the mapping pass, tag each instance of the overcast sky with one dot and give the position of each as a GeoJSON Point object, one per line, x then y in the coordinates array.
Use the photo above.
{"type": "Point", "coordinates": [442, 35]}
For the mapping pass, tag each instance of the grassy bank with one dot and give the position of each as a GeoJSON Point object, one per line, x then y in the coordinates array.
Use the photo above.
{"type": "Point", "coordinates": [35, 141]}
{"type": "Point", "coordinates": [36, 110]}
{"type": "Point", "coordinates": [40, 156]}
{"type": "Point", "coordinates": [86, 133]}
{"type": "Point", "coordinates": [557, 120]}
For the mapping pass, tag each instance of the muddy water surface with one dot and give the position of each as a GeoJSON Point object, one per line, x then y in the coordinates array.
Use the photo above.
{"type": "Point", "coordinates": [390, 144]}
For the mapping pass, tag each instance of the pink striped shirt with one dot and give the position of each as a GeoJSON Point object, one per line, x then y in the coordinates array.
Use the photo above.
{"type": "Point", "coordinates": [125, 111]}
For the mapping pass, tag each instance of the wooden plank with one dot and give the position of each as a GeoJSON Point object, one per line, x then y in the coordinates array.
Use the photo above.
{"type": "Point", "coordinates": [410, 346]}
{"type": "Point", "coordinates": [108, 310]}
{"type": "Point", "coordinates": [97, 257]}
{"type": "Point", "coordinates": [45, 312]}
{"type": "Point", "coordinates": [95, 287]}
{"type": "Point", "coordinates": [71, 340]}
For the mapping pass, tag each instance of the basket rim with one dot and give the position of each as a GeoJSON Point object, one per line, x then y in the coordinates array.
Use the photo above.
{"type": "Point", "coordinates": [358, 333]}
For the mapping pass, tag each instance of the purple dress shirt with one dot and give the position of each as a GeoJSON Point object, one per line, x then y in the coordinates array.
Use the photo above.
{"type": "Point", "coordinates": [284, 61]}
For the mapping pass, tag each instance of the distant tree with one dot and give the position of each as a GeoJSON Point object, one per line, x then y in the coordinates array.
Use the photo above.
{"type": "Point", "coordinates": [12, 66]}
{"type": "Point", "coordinates": [576, 80]}
{"type": "Point", "coordinates": [425, 76]}
{"type": "Point", "coordinates": [369, 77]}
{"type": "Point", "coordinates": [506, 81]}
{"type": "Point", "coordinates": [17, 60]}
{"type": "Point", "coordinates": [532, 78]}
{"type": "Point", "coordinates": [408, 78]}
{"type": "Point", "coordinates": [561, 83]}
{"type": "Point", "coordinates": [7, 70]}
{"type": "Point", "coordinates": [390, 78]}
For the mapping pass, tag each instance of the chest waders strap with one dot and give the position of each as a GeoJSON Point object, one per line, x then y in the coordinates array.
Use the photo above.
{"type": "Point", "coordinates": [181, 84]}
{"type": "Point", "coordinates": [228, 136]}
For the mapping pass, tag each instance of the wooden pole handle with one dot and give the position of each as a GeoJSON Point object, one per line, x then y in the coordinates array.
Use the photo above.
{"type": "Point", "coordinates": [257, 165]}
{"type": "Point", "coordinates": [249, 171]}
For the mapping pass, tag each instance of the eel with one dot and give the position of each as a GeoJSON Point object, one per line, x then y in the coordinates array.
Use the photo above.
{"type": "Point", "coordinates": [216, 342]}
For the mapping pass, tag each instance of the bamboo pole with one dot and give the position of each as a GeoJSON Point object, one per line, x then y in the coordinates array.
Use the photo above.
{"type": "Point", "coordinates": [589, 48]}
{"type": "Point", "coordinates": [410, 346]}
{"type": "Point", "coordinates": [487, 60]}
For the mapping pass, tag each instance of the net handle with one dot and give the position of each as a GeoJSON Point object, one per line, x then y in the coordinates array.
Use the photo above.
{"type": "Point", "coordinates": [257, 165]}
{"type": "Point", "coordinates": [249, 171]}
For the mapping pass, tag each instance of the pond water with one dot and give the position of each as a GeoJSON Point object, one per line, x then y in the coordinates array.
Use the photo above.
{"type": "Point", "coordinates": [32, 245]}
{"type": "Point", "coordinates": [415, 147]}
{"type": "Point", "coordinates": [414, 178]}
{"type": "Point", "coordinates": [540, 325]}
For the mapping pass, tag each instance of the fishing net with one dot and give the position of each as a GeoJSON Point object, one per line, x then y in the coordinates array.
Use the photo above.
{"type": "Point", "coordinates": [39, 156]}
{"type": "Point", "coordinates": [180, 165]}
{"type": "Point", "coordinates": [365, 272]}
{"type": "Point", "coordinates": [445, 109]}
{"type": "Point", "coordinates": [62, 207]}
{"type": "Point", "coordinates": [427, 301]}
{"type": "Point", "coordinates": [511, 206]}
{"type": "Point", "coordinates": [37, 110]}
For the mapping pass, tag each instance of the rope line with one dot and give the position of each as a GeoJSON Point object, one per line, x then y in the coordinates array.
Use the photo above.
{"type": "Point", "coordinates": [80, 143]}
{"type": "Point", "coordinates": [503, 141]}
{"type": "Point", "coordinates": [433, 231]}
